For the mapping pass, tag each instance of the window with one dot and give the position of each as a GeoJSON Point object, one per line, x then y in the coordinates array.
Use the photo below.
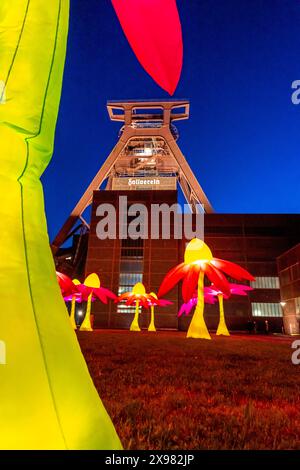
{"type": "Point", "coordinates": [266, 309]}
{"type": "Point", "coordinates": [132, 248]}
{"type": "Point", "coordinates": [285, 277]}
{"type": "Point", "coordinates": [297, 305]}
{"type": "Point", "coordinates": [126, 283]}
{"type": "Point", "coordinates": [128, 280]}
{"type": "Point", "coordinates": [265, 283]}
{"type": "Point", "coordinates": [131, 269]}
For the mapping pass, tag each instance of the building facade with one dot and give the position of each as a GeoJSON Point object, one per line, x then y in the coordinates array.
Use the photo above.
{"type": "Point", "coordinates": [252, 241]}
{"type": "Point", "coordinates": [289, 277]}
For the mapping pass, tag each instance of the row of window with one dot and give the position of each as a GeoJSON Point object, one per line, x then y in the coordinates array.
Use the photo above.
{"type": "Point", "coordinates": [123, 308]}
{"type": "Point", "coordinates": [260, 309]}
{"type": "Point", "coordinates": [131, 269]}
{"type": "Point", "coordinates": [126, 282]}
{"type": "Point", "coordinates": [264, 282]}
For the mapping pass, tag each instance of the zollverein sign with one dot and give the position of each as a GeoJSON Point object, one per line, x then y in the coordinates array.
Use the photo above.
{"type": "Point", "coordinates": [144, 182]}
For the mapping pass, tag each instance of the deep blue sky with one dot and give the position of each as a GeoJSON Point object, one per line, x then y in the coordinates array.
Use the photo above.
{"type": "Point", "coordinates": [242, 139]}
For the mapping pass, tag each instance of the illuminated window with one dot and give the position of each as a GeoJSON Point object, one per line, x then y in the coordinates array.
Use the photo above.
{"type": "Point", "coordinates": [126, 283]}
{"type": "Point", "coordinates": [131, 269]}
{"type": "Point", "coordinates": [266, 309]}
{"type": "Point", "coordinates": [265, 283]}
{"type": "Point", "coordinates": [297, 305]}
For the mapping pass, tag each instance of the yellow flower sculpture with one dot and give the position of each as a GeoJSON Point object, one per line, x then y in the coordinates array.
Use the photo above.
{"type": "Point", "coordinates": [198, 262]}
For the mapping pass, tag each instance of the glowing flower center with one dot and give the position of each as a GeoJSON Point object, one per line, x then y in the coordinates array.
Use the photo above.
{"type": "Point", "coordinates": [139, 289]}
{"type": "Point", "coordinates": [153, 295]}
{"type": "Point", "coordinates": [92, 281]}
{"type": "Point", "coordinates": [196, 251]}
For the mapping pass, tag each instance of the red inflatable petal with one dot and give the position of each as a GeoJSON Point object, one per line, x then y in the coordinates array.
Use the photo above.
{"type": "Point", "coordinates": [190, 282]}
{"type": "Point", "coordinates": [124, 296]}
{"type": "Point", "coordinates": [164, 303]}
{"type": "Point", "coordinates": [233, 270]}
{"type": "Point", "coordinates": [66, 284]}
{"type": "Point", "coordinates": [102, 292]}
{"type": "Point", "coordinates": [153, 30]}
{"type": "Point", "coordinates": [172, 278]}
{"type": "Point", "coordinates": [217, 278]}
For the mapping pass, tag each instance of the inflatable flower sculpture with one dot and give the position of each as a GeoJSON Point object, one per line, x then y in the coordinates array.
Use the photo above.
{"type": "Point", "coordinates": [199, 262]}
{"type": "Point", "coordinates": [213, 292]}
{"type": "Point", "coordinates": [154, 301]}
{"type": "Point", "coordinates": [139, 298]}
{"type": "Point", "coordinates": [210, 296]}
{"type": "Point", "coordinates": [73, 298]}
{"type": "Point", "coordinates": [70, 293]}
{"type": "Point", "coordinates": [91, 290]}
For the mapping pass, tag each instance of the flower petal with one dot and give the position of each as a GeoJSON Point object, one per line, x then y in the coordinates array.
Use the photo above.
{"type": "Point", "coordinates": [108, 293]}
{"type": "Point", "coordinates": [233, 270]}
{"type": "Point", "coordinates": [217, 278]}
{"type": "Point", "coordinates": [153, 30]}
{"type": "Point", "coordinates": [164, 302]}
{"type": "Point", "coordinates": [182, 310]}
{"type": "Point", "coordinates": [190, 282]}
{"type": "Point", "coordinates": [172, 278]}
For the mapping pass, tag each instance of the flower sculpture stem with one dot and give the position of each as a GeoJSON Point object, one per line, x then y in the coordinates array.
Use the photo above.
{"type": "Point", "coordinates": [222, 328]}
{"type": "Point", "coordinates": [198, 328]}
{"type": "Point", "coordinates": [151, 326]}
{"type": "Point", "coordinates": [73, 306]}
{"type": "Point", "coordinates": [72, 314]}
{"type": "Point", "coordinates": [86, 324]}
{"type": "Point", "coordinates": [135, 322]}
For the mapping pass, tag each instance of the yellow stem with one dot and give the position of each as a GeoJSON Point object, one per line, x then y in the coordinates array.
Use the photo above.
{"type": "Point", "coordinates": [86, 324]}
{"type": "Point", "coordinates": [72, 315]}
{"type": "Point", "coordinates": [198, 328]}
{"type": "Point", "coordinates": [152, 324]}
{"type": "Point", "coordinates": [222, 328]}
{"type": "Point", "coordinates": [135, 322]}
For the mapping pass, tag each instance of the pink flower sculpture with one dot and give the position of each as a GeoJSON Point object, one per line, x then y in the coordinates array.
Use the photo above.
{"type": "Point", "coordinates": [210, 295]}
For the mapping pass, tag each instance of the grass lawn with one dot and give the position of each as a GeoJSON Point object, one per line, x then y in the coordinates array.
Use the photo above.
{"type": "Point", "coordinates": [164, 391]}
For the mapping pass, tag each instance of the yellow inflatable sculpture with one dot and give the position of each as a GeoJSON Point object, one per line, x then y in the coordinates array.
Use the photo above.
{"type": "Point", "coordinates": [151, 326]}
{"type": "Point", "coordinates": [73, 306]}
{"type": "Point", "coordinates": [47, 398]}
{"type": "Point", "coordinates": [93, 282]}
{"type": "Point", "coordinates": [139, 298]}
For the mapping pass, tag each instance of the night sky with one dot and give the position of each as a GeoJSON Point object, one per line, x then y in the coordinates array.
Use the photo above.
{"type": "Point", "coordinates": [242, 139]}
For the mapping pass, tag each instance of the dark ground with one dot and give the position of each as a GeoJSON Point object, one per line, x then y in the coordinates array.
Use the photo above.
{"type": "Point", "coordinates": [164, 391]}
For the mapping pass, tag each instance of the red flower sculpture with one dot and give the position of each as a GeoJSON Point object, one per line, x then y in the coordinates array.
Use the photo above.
{"type": "Point", "coordinates": [198, 262]}
{"type": "Point", "coordinates": [137, 297]}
